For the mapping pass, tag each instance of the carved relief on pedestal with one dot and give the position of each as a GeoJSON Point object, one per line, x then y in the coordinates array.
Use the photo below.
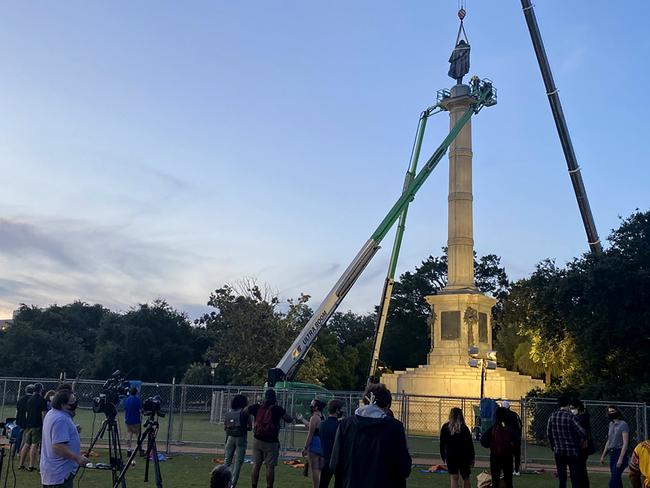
{"type": "Point", "coordinates": [471, 319]}
{"type": "Point", "coordinates": [431, 322]}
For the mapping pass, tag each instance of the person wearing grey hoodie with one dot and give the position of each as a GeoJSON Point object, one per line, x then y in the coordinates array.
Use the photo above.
{"type": "Point", "coordinates": [370, 447]}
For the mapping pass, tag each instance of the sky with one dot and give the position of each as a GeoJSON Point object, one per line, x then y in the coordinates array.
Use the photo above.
{"type": "Point", "coordinates": [164, 149]}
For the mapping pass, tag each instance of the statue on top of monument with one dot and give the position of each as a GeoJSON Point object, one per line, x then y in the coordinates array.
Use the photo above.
{"type": "Point", "coordinates": [459, 61]}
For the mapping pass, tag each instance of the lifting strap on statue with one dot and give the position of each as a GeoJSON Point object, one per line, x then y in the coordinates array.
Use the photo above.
{"type": "Point", "coordinates": [461, 28]}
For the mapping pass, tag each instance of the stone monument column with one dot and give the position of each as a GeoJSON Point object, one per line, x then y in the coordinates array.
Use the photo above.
{"type": "Point", "coordinates": [460, 238]}
{"type": "Point", "coordinates": [460, 315]}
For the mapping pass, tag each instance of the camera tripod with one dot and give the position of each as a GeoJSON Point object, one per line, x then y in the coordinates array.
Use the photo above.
{"type": "Point", "coordinates": [150, 432]}
{"type": "Point", "coordinates": [114, 449]}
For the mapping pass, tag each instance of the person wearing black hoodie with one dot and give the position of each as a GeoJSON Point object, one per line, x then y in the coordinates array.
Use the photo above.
{"type": "Point", "coordinates": [370, 447]}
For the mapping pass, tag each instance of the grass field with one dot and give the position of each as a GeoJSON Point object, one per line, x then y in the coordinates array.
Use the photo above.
{"type": "Point", "coordinates": [197, 431]}
{"type": "Point", "coordinates": [192, 471]}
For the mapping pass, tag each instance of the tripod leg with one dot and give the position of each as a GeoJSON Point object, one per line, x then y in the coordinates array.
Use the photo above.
{"type": "Point", "coordinates": [100, 433]}
{"type": "Point", "coordinates": [156, 464]}
{"type": "Point", "coordinates": [148, 456]}
{"type": "Point", "coordinates": [114, 452]}
{"type": "Point", "coordinates": [121, 478]}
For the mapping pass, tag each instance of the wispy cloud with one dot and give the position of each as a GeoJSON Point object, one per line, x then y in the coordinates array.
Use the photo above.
{"type": "Point", "coordinates": [63, 260]}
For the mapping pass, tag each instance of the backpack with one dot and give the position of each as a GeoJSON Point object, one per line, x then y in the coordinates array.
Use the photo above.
{"type": "Point", "coordinates": [501, 440]}
{"type": "Point", "coordinates": [265, 428]}
{"type": "Point", "coordinates": [233, 423]}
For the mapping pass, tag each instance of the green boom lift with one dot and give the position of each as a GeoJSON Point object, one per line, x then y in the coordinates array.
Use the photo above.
{"type": "Point", "coordinates": [484, 95]}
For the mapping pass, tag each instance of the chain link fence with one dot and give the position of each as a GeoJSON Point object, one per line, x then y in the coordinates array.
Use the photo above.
{"type": "Point", "coordinates": [194, 416]}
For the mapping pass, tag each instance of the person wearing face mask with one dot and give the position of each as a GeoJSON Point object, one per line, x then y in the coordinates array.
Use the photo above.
{"type": "Point", "coordinates": [313, 450]}
{"type": "Point", "coordinates": [587, 447]}
{"type": "Point", "coordinates": [328, 428]}
{"type": "Point", "coordinates": [370, 447]}
{"type": "Point", "coordinates": [61, 448]}
{"type": "Point", "coordinates": [618, 439]}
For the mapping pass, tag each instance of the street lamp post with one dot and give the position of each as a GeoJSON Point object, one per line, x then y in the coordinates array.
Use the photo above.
{"type": "Point", "coordinates": [484, 362]}
{"type": "Point", "coordinates": [213, 366]}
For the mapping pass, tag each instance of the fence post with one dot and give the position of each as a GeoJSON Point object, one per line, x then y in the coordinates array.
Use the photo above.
{"type": "Point", "coordinates": [524, 434]}
{"type": "Point", "coordinates": [4, 396]}
{"type": "Point", "coordinates": [645, 420]}
{"type": "Point", "coordinates": [170, 422]}
{"type": "Point", "coordinates": [182, 412]}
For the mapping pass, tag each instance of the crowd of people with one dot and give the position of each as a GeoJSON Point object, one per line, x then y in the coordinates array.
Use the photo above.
{"type": "Point", "coordinates": [365, 449]}
{"type": "Point", "coordinates": [44, 427]}
{"type": "Point", "coordinates": [368, 448]}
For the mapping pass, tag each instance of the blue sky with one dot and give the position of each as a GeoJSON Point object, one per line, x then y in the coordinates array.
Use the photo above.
{"type": "Point", "coordinates": [162, 149]}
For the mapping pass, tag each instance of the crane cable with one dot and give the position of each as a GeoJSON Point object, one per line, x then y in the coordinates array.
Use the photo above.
{"type": "Point", "coordinates": [461, 28]}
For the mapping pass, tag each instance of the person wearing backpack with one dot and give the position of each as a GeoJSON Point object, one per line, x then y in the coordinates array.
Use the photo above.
{"type": "Point", "coordinates": [237, 423]}
{"type": "Point", "coordinates": [266, 431]}
{"type": "Point", "coordinates": [501, 440]}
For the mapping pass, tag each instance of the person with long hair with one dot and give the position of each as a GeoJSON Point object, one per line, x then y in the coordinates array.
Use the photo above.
{"type": "Point", "coordinates": [618, 440]}
{"type": "Point", "coordinates": [457, 448]}
{"type": "Point", "coordinates": [238, 423]}
{"type": "Point", "coordinates": [313, 450]}
{"type": "Point", "coordinates": [501, 441]}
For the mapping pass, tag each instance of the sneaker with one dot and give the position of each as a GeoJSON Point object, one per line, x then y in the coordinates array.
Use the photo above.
{"type": "Point", "coordinates": [21, 468]}
{"type": "Point", "coordinates": [31, 468]}
{"type": "Point", "coordinates": [516, 473]}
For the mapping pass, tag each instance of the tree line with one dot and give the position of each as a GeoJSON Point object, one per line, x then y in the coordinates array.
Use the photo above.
{"type": "Point", "coordinates": [583, 327]}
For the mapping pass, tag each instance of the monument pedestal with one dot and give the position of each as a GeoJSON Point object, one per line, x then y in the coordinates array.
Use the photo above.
{"type": "Point", "coordinates": [459, 321]}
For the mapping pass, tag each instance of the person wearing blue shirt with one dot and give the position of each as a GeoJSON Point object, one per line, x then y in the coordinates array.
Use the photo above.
{"type": "Point", "coordinates": [61, 446]}
{"type": "Point", "coordinates": [132, 408]}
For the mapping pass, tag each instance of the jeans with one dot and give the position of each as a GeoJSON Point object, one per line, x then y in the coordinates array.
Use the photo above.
{"type": "Point", "coordinates": [238, 445]}
{"type": "Point", "coordinates": [582, 463]}
{"type": "Point", "coordinates": [615, 480]}
{"type": "Point", "coordinates": [498, 464]}
{"type": "Point", "coordinates": [562, 461]}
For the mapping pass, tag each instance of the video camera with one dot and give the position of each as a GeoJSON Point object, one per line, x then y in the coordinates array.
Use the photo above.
{"type": "Point", "coordinates": [113, 389]}
{"type": "Point", "coordinates": [152, 406]}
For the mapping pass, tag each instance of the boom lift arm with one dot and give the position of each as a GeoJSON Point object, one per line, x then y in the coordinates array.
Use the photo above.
{"type": "Point", "coordinates": [387, 291]}
{"type": "Point", "coordinates": [562, 129]}
{"type": "Point", "coordinates": [287, 368]}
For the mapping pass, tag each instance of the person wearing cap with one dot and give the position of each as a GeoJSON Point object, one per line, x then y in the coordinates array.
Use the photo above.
{"type": "Point", "coordinates": [21, 417]}
{"type": "Point", "coordinates": [513, 421]}
{"type": "Point", "coordinates": [36, 410]}
{"type": "Point", "coordinates": [266, 431]}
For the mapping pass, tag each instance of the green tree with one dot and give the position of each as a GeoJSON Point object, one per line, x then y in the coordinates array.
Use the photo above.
{"type": "Point", "coordinates": [32, 351]}
{"type": "Point", "coordinates": [591, 320]}
{"type": "Point", "coordinates": [248, 333]}
{"type": "Point", "coordinates": [198, 374]}
{"type": "Point", "coordinates": [152, 343]}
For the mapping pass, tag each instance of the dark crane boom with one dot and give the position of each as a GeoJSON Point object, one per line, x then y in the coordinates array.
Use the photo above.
{"type": "Point", "coordinates": [562, 129]}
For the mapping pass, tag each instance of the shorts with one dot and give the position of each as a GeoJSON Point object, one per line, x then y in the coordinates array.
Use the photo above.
{"type": "Point", "coordinates": [266, 452]}
{"type": "Point", "coordinates": [463, 469]}
{"type": "Point", "coordinates": [133, 428]}
{"type": "Point", "coordinates": [32, 436]}
{"type": "Point", "coordinates": [315, 446]}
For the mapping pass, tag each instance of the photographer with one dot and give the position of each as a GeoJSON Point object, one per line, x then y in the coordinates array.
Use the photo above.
{"type": "Point", "coordinates": [61, 451]}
